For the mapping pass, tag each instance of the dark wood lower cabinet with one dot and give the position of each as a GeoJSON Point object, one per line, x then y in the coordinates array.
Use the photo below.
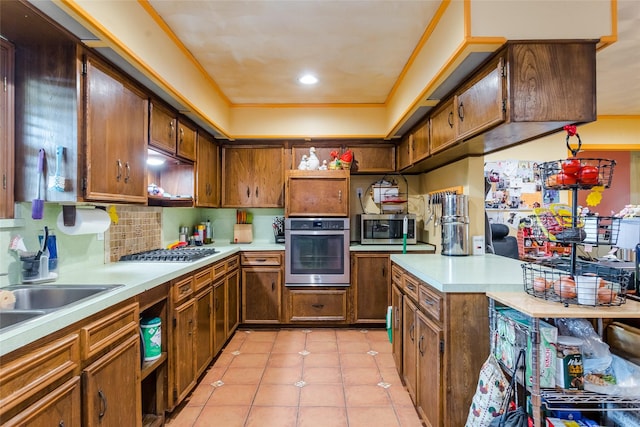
{"type": "Point", "coordinates": [112, 387]}
{"type": "Point", "coordinates": [429, 384]}
{"type": "Point", "coordinates": [443, 344]}
{"type": "Point", "coordinates": [61, 407]}
{"type": "Point", "coordinates": [409, 343]}
{"type": "Point", "coordinates": [371, 282]}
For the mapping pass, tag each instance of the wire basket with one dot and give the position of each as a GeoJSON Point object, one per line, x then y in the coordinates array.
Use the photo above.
{"type": "Point", "coordinates": [576, 173]}
{"type": "Point", "coordinates": [591, 284]}
{"type": "Point", "coordinates": [589, 230]}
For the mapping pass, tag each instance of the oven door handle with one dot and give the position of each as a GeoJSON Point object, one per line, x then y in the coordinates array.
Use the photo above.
{"type": "Point", "coordinates": [317, 232]}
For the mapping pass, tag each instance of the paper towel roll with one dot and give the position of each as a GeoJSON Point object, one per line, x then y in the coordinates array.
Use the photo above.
{"type": "Point", "coordinates": [88, 221]}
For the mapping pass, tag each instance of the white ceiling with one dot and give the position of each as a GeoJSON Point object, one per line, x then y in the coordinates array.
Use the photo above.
{"type": "Point", "coordinates": [255, 50]}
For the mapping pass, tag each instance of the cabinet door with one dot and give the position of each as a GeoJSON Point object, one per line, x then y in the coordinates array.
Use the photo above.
{"type": "Point", "coordinates": [409, 347]}
{"type": "Point", "coordinates": [420, 143]}
{"type": "Point", "coordinates": [6, 129]}
{"type": "Point", "coordinates": [379, 158]}
{"type": "Point", "coordinates": [396, 344]}
{"type": "Point", "coordinates": [443, 127]}
{"type": "Point", "coordinates": [162, 128]}
{"type": "Point", "coordinates": [372, 280]}
{"type": "Point", "coordinates": [204, 336]}
{"type": "Point", "coordinates": [207, 172]}
{"type": "Point", "coordinates": [60, 407]}
{"type": "Point", "coordinates": [233, 301]}
{"type": "Point", "coordinates": [480, 104]}
{"type": "Point", "coordinates": [184, 360]}
{"type": "Point", "coordinates": [252, 176]}
{"type": "Point", "coordinates": [112, 388]}
{"type": "Point", "coordinates": [317, 193]}
{"type": "Point", "coordinates": [219, 328]}
{"type": "Point", "coordinates": [430, 390]}
{"type": "Point", "coordinates": [268, 174]}
{"type": "Point", "coordinates": [261, 294]}
{"type": "Point", "coordinates": [116, 127]}
{"type": "Point", "coordinates": [404, 152]}
{"type": "Point", "coordinates": [187, 138]}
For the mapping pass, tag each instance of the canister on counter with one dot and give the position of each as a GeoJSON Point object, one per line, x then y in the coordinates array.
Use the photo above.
{"type": "Point", "coordinates": [151, 338]}
{"type": "Point", "coordinates": [569, 368]}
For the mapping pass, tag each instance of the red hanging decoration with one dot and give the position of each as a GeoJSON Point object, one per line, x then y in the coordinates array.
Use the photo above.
{"type": "Point", "coordinates": [572, 130]}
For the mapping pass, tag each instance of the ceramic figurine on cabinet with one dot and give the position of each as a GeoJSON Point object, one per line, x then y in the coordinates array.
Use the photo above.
{"type": "Point", "coordinates": [313, 163]}
{"type": "Point", "coordinates": [324, 166]}
{"type": "Point", "coordinates": [304, 163]}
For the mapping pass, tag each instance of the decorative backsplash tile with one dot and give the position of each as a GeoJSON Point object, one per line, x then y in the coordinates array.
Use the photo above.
{"type": "Point", "coordinates": [139, 228]}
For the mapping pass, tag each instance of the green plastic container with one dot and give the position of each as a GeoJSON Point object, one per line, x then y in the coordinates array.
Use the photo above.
{"type": "Point", "coordinates": [151, 338]}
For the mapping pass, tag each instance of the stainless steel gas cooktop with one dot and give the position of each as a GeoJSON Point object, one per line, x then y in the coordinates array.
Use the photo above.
{"type": "Point", "coordinates": [170, 255]}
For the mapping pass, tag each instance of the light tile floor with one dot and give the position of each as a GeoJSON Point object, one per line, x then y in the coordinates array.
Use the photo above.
{"type": "Point", "coordinates": [301, 378]}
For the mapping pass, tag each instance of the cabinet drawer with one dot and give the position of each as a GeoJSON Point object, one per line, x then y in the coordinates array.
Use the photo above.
{"type": "Point", "coordinates": [318, 305]}
{"type": "Point", "coordinates": [232, 263]}
{"type": "Point", "coordinates": [182, 290]}
{"type": "Point", "coordinates": [219, 270]}
{"type": "Point", "coordinates": [271, 258]}
{"type": "Point", "coordinates": [202, 279]}
{"type": "Point", "coordinates": [396, 276]}
{"type": "Point", "coordinates": [430, 302]}
{"type": "Point", "coordinates": [410, 285]}
{"type": "Point", "coordinates": [34, 372]}
{"type": "Point", "coordinates": [102, 333]}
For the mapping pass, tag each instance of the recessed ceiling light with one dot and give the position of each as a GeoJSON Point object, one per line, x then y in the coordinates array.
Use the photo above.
{"type": "Point", "coordinates": [308, 79]}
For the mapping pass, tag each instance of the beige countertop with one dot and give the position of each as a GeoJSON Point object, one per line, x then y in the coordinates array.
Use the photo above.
{"type": "Point", "coordinates": [136, 277]}
{"type": "Point", "coordinates": [473, 273]}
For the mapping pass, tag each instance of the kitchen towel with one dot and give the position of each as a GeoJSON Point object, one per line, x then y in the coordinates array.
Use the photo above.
{"type": "Point", "coordinates": [88, 221]}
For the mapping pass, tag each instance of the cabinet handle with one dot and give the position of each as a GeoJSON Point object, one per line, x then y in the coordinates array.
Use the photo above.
{"type": "Point", "coordinates": [260, 260]}
{"type": "Point", "coordinates": [384, 272]}
{"type": "Point", "coordinates": [420, 342]}
{"type": "Point", "coordinates": [190, 326]}
{"type": "Point", "coordinates": [340, 196]}
{"type": "Point", "coordinates": [317, 305]}
{"type": "Point", "coordinates": [411, 288]}
{"type": "Point", "coordinates": [181, 135]}
{"type": "Point", "coordinates": [118, 170]}
{"type": "Point", "coordinates": [127, 176]}
{"type": "Point", "coordinates": [256, 192]}
{"type": "Point", "coordinates": [461, 112]}
{"type": "Point", "coordinates": [172, 128]}
{"type": "Point", "coordinates": [248, 192]}
{"type": "Point", "coordinates": [61, 423]}
{"type": "Point", "coordinates": [397, 317]}
{"type": "Point", "coordinates": [428, 302]}
{"type": "Point", "coordinates": [103, 404]}
{"type": "Point", "coordinates": [411, 332]}
{"type": "Point", "coordinates": [450, 119]}
{"type": "Point", "coordinates": [273, 286]}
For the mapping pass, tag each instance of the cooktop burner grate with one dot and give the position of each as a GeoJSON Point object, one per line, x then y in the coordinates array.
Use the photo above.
{"type": "Point", "coordinates": [170, 255]}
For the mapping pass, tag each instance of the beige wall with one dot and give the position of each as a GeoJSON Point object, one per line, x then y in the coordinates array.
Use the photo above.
{"type": "Point", "coordinates": [467, 173]}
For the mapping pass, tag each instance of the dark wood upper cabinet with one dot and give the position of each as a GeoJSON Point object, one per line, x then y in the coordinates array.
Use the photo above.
{"type": "Point", "coordinates": [7, 107]}
{"type": "Point", "coordinates": [527, 90]}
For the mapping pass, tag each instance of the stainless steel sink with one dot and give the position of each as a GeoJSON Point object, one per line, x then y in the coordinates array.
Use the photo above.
{"type": "Point", "coordinates": [36, 300]}
{"type": "Point", "coordinates": [12, 317]}
{"type": "Point", "coordinates": [46, 297]}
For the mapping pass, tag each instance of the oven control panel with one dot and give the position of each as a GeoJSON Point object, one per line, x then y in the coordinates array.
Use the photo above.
{"type": "Point", "coordinates": [317, 223]}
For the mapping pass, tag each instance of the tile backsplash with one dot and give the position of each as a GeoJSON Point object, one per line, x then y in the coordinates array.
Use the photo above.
{"type": "Point", "coordinates": [138, 229]}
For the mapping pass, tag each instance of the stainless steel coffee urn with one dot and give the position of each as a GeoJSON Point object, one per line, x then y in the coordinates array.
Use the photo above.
{"type": "Point", "coordinates": [455, 225]}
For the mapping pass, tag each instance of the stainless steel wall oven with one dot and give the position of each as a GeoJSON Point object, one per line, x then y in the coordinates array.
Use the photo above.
{"type": "Point", "coordinates": [317, 252]}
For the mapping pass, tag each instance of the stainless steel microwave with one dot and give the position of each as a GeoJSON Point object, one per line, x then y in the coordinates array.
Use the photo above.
{"type": "Point", "coordinates": [387, 229]}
